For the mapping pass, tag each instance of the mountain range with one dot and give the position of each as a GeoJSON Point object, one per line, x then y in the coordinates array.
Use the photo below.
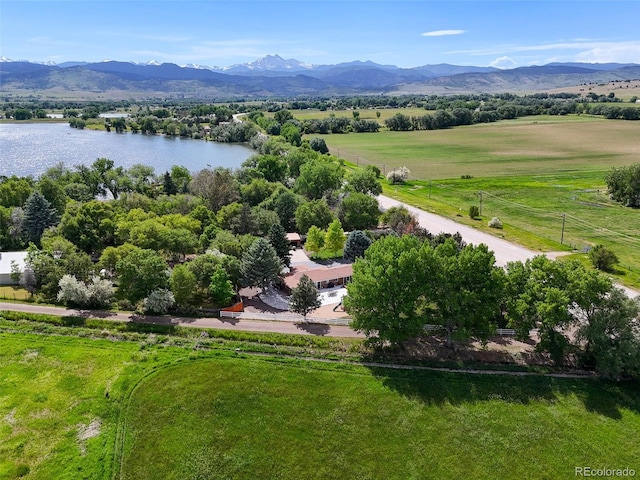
{"type": "Point", "coordinates": [274, 76]}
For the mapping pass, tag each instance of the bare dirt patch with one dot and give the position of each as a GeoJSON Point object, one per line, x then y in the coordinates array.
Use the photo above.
{"type": "Point", "coordinates": [86, 432]}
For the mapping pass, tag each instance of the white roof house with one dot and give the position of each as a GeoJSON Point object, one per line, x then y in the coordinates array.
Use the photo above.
{"type": "Point", "coordinates": [6, 259]}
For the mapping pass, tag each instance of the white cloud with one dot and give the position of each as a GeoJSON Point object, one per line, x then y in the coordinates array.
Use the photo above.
{"type": "Point", "coordinates": [442, 33]}
{"type": "Point", "coordinates": [625, 52]}
{"type": "Point", "coordinates": [592, 51]}
{"type": "Point", "coordinates": [503, 63]}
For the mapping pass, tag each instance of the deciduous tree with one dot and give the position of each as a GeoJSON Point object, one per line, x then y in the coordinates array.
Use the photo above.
{"type": "Point", "coordinates": [364, 180]}
{"type": "Point", "coordinates": [391, 288]}
{"type": "Point", "coordinates": [315, 239]}
{"type": "Point", "coordinates": [183, 285]}
{"type": "Point", "coordinates": [358, 210]}
{"type": "Point", "coordinates": [140, 273]}
{"type": "Point", "coordinates": [315, 212]}
{"type": "Point", "coordinates": [335, 237]}
{"type": "Point", "coordinates": [317, 177]}
{"type": "Point", "coordinates": [469, 288]}
{"type": "Point", "coordinates": [220, 287]}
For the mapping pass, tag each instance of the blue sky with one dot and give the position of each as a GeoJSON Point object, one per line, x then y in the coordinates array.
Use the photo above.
{"type": "Point", "coordinates": [412, 33]}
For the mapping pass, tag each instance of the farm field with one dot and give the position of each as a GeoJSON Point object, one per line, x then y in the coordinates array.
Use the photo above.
{"type": "Point", "coordinates": [259, 418]}
{"type": "Point", "coordinates": [365, 113]}
{"type": "Point", "coordinates": [13, 293]}
{"type": "Point", "coordinates": [179, 412]}
{"type": "Point", "coordinates": [529, 145]}
{"type": "Point", "coordinates": [532, 172]}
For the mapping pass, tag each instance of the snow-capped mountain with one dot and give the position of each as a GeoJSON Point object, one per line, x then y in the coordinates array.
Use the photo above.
{"type": "Point", "coordinates": [274, 75]}
{"type": "Point", "coordinates": [270, 63]}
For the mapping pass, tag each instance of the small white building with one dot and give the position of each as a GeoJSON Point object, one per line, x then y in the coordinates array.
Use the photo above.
{"type": "Point", "coordinates": [6, 260]}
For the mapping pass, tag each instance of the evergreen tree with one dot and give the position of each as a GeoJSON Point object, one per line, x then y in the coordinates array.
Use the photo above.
{"type": "Point", "coordinates": [38, 216]}
{"type": "Point", "coordinates": [169, 186]}
{"type": "Point", "coordinates": [305, 298]}
{"type": "Point", "coordinates": [355, 246]}
{"type": "Point", "coordinates": [260, 264]}
{"type": "Point", "coordinates": [278, 239]}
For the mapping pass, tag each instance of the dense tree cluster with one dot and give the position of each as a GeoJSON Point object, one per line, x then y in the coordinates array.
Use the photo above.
{"type": "Point", "coordinates": [102, 232]}
{"type": "Point", "coordinates": [404, 283]}
{"type": "Point", "coordinates": [623, 184]}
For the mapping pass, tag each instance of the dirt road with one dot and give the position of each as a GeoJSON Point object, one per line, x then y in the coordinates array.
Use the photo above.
{"type": "Point", "coordinates": [504, 251]}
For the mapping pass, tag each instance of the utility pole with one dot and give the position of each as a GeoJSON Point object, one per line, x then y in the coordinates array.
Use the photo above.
{"type": "Point", "coordinates": [564, 217]}
{"type": "Point", "coordinates": [384, 170]}
{"type": "Point", "coordinates": [480, 193]}
{"type": "Point", "coordinates": [429, 189]}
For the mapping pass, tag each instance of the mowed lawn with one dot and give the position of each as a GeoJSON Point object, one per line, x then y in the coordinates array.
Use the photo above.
{"type": "Point", "coordinates": [249, 418]}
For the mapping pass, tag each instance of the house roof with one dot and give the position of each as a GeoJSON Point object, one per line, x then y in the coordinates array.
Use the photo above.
{"type": "Point", "coordinates": [7, 257]}
{"type": "Point", "coordinates": [323, 274]}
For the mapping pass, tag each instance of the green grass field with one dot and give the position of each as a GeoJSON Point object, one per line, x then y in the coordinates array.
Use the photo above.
{"type": "Point", "coordinates": [526, 146]}
{"type": "Point", "coordinates": [532, 171]}
{"type": "Point", "coordinates": [365, 113]}
{"type": "Point", "coordinates": [157, 406]}
{"type": "Point", "coordinates": [55, 420]}
{"type": "Point", "coordinates": [11, 293]}
{"type": "Point", "coordinates": [531, 208]}
{"type": "Point", "coordinates": [259, 418]}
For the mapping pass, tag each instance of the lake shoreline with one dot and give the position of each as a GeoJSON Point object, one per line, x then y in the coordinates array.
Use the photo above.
{"type": "Point", "coordinates": [30, 147]}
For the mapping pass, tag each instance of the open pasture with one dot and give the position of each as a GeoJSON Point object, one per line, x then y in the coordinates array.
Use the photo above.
{"type": "Point", "coordinates": [104, 409]}
{"type": "Point", "coordinates": [365, 113]}
{"type": "Point", "coordinates": [56, 419]}
{"type": "Point", "coordinates": [527, 146]}
{"type": "Point", "coordinates": [545, 212]}
{"type": "Point", "coordinates": [256, 418]}
{"type": "Point", "coordinates": [535, 173]}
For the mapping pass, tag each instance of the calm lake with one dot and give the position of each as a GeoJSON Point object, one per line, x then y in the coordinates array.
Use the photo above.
{"type": "Point", "coordinates": [31, 148]}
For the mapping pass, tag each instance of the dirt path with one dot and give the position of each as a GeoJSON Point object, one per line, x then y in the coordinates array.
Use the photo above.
{"type": "Point", "coordinates": [504, 251]}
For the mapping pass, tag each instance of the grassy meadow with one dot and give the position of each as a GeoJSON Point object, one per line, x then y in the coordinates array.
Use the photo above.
{"type": "Point", "coordinates": [55, 418]}
{"type": "Point", "coordinates": [532, 171]}
{"type": "Point", "coordinates": [14, 293]}
{"type": "Point", "coordinates": [263, 418]}
{"type": "Point", "coordinates": [83, 402]}
{"type": "Point", "coordinates": [526, 146]}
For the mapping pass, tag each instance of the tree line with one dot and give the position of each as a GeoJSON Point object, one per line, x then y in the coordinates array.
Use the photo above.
{"type": "Point", "coordinates": [404, 282]}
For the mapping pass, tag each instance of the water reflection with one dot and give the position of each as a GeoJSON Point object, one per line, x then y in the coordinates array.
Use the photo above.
{"type": "Point", "coordinates": [32, 148]}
